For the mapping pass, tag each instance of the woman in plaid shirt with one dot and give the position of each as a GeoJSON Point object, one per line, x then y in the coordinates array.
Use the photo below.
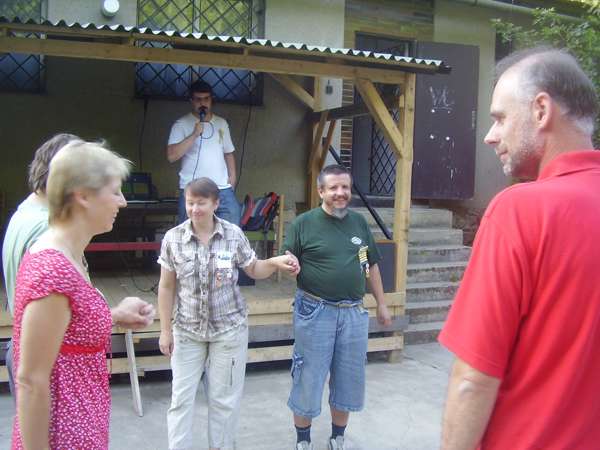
{"type": "Point", "coordinates": [207, 325]}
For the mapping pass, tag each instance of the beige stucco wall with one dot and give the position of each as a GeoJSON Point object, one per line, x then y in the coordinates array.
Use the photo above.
{"type": "Point", "coordinates": [465, 24]}
{"type": "Point", "coordinates": [95, 99]}
{"type": "Point", "coordinates": [315, 22]}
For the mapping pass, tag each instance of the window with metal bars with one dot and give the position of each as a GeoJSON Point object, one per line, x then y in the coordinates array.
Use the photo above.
{"type": "Point", "coordinates": [20, 72]}
{"type": "Point", "coordinates": [213, 17]}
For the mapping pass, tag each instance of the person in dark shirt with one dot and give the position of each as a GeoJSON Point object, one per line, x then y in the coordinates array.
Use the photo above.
{"type": "Point", "coordinates": [338, 257]}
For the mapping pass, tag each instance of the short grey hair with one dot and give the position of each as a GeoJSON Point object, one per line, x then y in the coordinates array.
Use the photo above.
{"type": "Point", "coordinates": [333, 169]}
{"type": "Point", "coordinates": [557, 72]}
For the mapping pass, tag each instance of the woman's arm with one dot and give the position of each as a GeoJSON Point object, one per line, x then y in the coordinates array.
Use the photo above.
{"type": "Point", "coordinates": [43, 327]}
{"type": "Point", "coordinates": [166, 299]}
{"type": "Point", "coordinates": [263, 268]}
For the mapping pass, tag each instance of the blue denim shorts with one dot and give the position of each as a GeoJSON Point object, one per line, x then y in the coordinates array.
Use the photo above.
{"type": "Point", "coordinates": [330, 338]}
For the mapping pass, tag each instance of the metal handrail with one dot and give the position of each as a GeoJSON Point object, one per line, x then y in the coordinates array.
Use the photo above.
{"type": "Point", "coordinates": [355, 187]}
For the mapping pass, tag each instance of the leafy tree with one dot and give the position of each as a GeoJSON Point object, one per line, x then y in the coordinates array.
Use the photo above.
{"type": "Point", "coordinates": [581, 37]}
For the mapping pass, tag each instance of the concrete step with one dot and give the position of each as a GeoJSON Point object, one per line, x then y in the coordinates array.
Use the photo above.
{"type": "Point", "coordinates": [438, 253]}
{"type": "Point", "coordinates": [386, 214]}
{"type": "Point", "coordinates": [419, 217]}
{"type": "Point", "coordinates": [435, 271]}
{"type": "Point", "coordinates": [433, 311]}
{"type": "Point", "coordinates": [428, 236]}
{"type": "Point", "coordinates": [424, 292]}
{"type": "Point", "coordinates": [435, 236]}
{"type": "Point", "coordinates": [430, 218]}
{"type": "Point", "coordinates": [422, 333]}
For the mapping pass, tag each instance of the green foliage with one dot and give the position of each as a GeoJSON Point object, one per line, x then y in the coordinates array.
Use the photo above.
{"type": "Point", "coordinates": [581, 37]}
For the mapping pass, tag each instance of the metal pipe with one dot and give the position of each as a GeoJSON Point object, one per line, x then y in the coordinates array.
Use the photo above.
{"type": "Point", "coordinates": [508, 7]}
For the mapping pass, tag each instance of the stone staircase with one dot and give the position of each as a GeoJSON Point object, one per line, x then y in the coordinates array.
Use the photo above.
{"type": "Point", "coordinates": [436, 262]}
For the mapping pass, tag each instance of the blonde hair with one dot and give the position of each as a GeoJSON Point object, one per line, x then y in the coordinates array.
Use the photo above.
{"type": "Point", "coordinates": [80, 165]}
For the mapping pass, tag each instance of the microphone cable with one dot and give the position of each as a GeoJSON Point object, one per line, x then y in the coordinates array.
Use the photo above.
{"type": "Point", "coordinates": [244, 146]}
{"type": "Point", "coordinates": [200, 144]}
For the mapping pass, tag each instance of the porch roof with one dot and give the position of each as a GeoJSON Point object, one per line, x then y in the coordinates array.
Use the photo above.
{"type": "Point", "coordinates": [128, 43]}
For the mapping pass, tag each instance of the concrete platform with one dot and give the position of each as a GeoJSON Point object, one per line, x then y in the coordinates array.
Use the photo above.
{"type": "Point", "coordinates": [403, 409]}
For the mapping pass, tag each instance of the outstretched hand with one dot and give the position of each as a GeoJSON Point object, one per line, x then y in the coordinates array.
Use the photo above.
{"type": "Point", "coordinates": [134, 313]}
{"type": "Point", "coordinates": [288, 263]}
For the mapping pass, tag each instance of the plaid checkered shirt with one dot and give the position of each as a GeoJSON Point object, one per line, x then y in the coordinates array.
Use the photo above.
{"type": "Point", "coordinates": [208, 301]}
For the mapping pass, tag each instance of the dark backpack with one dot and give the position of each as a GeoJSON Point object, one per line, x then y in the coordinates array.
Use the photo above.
{"type": "Point", "coordinates": [263, 213]}
{"type": "Point", "coordinates": [247, 209]}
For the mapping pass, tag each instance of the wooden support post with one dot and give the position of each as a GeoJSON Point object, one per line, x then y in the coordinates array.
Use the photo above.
{"type": "Point", "coordinates": [406, 122]}
{"type": "Point", "coordinates": [357, 109]}
{"type": "Point", "coordinates": [280, 230]}
{"type": "Point", "coordinates": [380, 114]}
{"type": "Point", "coordinates": [312, 192]}
{"type": "Point", "coordinates": [295, 89]}
{"type": "Point", "coordinates": [325, 147]}
{"type": "Point", "coordinates": [315, 151]}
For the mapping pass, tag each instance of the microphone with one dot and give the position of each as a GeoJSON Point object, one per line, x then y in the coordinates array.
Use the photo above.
{"type": "Point", "coordinates": [202, 113]}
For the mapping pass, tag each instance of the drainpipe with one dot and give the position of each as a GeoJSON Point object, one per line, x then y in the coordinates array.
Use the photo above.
{"type": "Point", "coordinates": [507, 7]}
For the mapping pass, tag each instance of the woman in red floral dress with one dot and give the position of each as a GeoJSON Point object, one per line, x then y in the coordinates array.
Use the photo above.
{"type": "Point", "coordinates": [62, 323]}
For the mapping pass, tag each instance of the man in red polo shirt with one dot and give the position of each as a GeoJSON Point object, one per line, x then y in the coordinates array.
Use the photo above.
{"type": "Point", "coordinates": [525, 324]}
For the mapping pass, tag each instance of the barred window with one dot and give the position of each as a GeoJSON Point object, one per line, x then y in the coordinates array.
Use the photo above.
{"type": "Point", "coordinates": [214, 17]}
{"type": "Point", "coordinates": [18, 71]}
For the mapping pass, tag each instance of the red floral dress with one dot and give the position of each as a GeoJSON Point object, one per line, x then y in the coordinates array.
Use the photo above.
{"type": "Point", "coordinates": [79, 391]}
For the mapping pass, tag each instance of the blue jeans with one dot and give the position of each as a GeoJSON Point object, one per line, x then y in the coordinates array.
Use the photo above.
{"type": "Point", "coordinates": [330, 338]}
{"type": "Point", "coordinates": [229, 208]}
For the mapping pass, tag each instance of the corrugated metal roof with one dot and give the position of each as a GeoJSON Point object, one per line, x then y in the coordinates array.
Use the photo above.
{"type": "Point", "coordinates": [375, 57]}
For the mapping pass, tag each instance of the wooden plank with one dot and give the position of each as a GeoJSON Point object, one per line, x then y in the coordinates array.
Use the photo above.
{"type": "Point", "coordinates": [5, 317]}
{"type": "Point", "coordinates": [226, 47]}
{"type": "Point", "coordinates": [279, 239]}
{"type": "Point", "coordinates": [325, 147]}
{"type": "Point", "coordinates": [381, 115]}
{"type": "Point", "coordinates": [300, 65]}
{"type": "Point", "coordinates": [317, 143]}
{"type": "Point", "coordinates": [281, 332]}
{"type": "Point", "coordinates": [358, 109]}
{"type": "Point", "coordinates": [295, 89]}
{"type": "Point", "coordinates": [277, 353]}
{"type": "Point", "coordinates": [133, 374]}
{"type": "Point", "coordinates": [402, 196]}
{"type": "Point", "coordinates": [122, 246]}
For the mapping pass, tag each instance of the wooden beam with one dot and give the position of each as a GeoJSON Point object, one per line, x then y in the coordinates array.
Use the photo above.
{"type": "Point", "coordinates": [380, 114]}
{"type": "Point", "coordinates": [279, 239]}
{"type": "Point", "coordinates": [193, 43]}
{"type": "Point", "coordinates": [299, 65]}
{"type": "Point", "coordinates": [326, 145]}
{"type": "Point", "coordinates": [312, 190]}
{"type": "Point", "coordinates": [402, 195]}
{"type": "Point", "coordinates": [358, 109]}
{"type": "Point", "coordinates": [317, 143]}
{"type": "Point", "coordinates": [295, 89]}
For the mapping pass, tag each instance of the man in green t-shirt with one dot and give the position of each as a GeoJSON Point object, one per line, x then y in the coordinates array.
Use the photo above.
{"type": "Point", "coordinates": [338, 257]}
{"type": "Point", "coordinates": [28, 222]}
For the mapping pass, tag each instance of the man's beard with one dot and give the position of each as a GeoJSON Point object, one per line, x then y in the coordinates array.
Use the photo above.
{"type": "Point", "coordinates": [339, 213]}
{"type": "Point", "coordinates": [523, 163]}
